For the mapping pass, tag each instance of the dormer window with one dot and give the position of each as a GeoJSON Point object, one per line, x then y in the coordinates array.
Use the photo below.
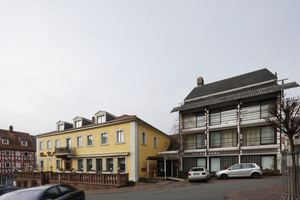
{"type": "Point", "coordinates": [60, 127]}
{"type": "Point", "coordinates": [24, 143]}
{"type": "Point", "coordinates": [100, 119]}
{"type": "Point", "coordinates": [5, 141]}
{"type": "Point", "coordinates": [78, 124]}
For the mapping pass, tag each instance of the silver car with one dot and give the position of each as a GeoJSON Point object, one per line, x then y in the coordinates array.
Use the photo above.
{"type": "Point", "coordinates": [241, 170]}
{"type": "Point", "coordinates": [198, 173]}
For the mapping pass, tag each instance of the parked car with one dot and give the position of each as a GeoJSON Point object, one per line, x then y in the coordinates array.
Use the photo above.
{"type": "Point", "coordinates": [241, 170]}
{"type": "Point", "coordinates": [6, 189]}
{"type": "Point", "coordinates": [198, 173]}
{"type": "Point", "coordinates": [50, 192]}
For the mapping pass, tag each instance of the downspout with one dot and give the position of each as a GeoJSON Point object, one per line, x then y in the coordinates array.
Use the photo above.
{"type": "Point", "coordinates": [239, 135]}
{"type": "Point", "coordinates": [207, 137]}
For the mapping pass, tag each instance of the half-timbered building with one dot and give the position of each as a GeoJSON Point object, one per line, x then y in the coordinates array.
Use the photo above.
{"type": "Point", "coordinates": [17, 153]}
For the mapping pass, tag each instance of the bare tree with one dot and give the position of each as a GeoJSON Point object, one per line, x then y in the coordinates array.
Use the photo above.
{"type": "Point", "coordinates": [285, 117]}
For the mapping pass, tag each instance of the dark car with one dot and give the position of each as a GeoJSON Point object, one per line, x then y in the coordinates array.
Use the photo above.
{"type": "Point", "coordinates": [4, 190]}
{"type": "Point", "coordinates": [50, 192]}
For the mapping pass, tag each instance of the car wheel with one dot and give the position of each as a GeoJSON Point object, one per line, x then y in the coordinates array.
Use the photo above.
{"type": "Point", "coordinates": [224, 176]}
{"type": "Point", "coordinates": [255, 175]}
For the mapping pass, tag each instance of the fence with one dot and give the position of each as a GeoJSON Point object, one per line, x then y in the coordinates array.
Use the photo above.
{"type": "Point", "coordinates": [291, 176]}
{"type": "Point", "coordinates": [84, 180]}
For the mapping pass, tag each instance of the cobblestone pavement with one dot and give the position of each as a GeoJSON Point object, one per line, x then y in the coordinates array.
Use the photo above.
{"type": "Point", "coordinates": [264, 193]}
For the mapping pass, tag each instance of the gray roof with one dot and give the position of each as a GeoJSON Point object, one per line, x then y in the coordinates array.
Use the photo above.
{"type": "Point", "coordinates": [257, 83]}
{"type": "Point", "coordinates": [243, 80]}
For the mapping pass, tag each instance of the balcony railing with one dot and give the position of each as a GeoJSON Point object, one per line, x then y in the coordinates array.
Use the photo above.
{"type": "Point", "coordinates": [65, 150]}
{"type": "Point", "coordinates": [84, 179]}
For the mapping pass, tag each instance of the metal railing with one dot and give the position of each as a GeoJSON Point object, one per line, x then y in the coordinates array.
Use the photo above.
{"type": "Point", "coordinates": [65, 150]}
{"type": "Point", "coordinates": [291, 176]}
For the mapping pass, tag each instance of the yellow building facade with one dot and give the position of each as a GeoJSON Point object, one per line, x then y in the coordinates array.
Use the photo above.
{"type": "Point", "coordinates": [105, 144]}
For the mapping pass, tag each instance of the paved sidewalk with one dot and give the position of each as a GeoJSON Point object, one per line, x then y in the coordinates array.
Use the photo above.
{"type": "Point", "coordinates": [264, 193]}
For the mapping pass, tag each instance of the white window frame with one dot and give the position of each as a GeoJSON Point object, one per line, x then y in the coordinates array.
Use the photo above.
{"type": "Point", "coordinates": [79, 145]}
{"type": "Point", "coordinates": [67, 138]}
{"type": "Point", "coordinates": [125, 163]}
{"type": "Point", "coordinates": [9, 165]}
{"type": "Point", "coordinates": [49, 145]}
{"type": "Point", "coordinates": [57, 165]}
{"type": "Point", "coordinates": [78, 124]}
{"type": "Point", "coordinates": [42, 164]}
{"type": "Point", "coordinates": [7, 153]}
{"type": "Point", "coordinates": [100, 119]}
{"type": "Point", "coordinates": [155, 142]}
{"type": "Point", "coordinates": [41, 145]}
{"type": "Point", "coordinates": [144, 138]}
{"type": "Point", "coordinates": [60, 127]}
{"type": "Point", "coordinates": [5, 141]}
{"type": "Point", "coordinates": [24, 143]}
{"type": "Point", "coordinates": [57, 143]}
{"type": "Point", "coordinates": [78, 164]}
{"type": "Point", "coordinates": [87, 140]}
{"type": "Point", "coordinates": [120, 137]}
{"type": "Point", "coordinates": [101, 141]}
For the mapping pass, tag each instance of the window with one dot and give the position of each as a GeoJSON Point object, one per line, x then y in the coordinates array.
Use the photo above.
{"type": "Point", "coordinates": [41, 145]}
{"type": "Point", "coordinates": [155, 142]}
{"type": "Point", "coordinates": [60, 127]}
{"type": "Point", "coordinates": [268, 162]}
{"type": "Point", "coordinates": [48, 144]}
{"type": "Point", "coordinates": [89, 164]}
{"type": "Point", "coordinates": [264, 108]}
{"type": "Point", "coordinates": [100, 119]}
{"type": "Point", "coordinates": [201, 162]}
{"type": "Point", "coordinates": [228, 138]}
{"type": "Point", "coordinates": [99, 165]}
{"type": "Point", "coordinates": [7, 153]}
{"type": "Point", "coordinates": [65, 189]}
{"type": "Point", "coordinates": [5, 141]}
{"type": "Point", "coordinates": [121, 164]}
{"type": "Point", "coordinates": [80, 164]}
{"type": "Point", "coordinates": [200, 143]}
{"type": "Point", "coordinates": [215, 117]}
{"type": "Point", "coordinates": [143, 138]}
{"type": "Point", "coordinates": [103, 138]}
{"type": "Point", "coordinates": [51, 193]}
{"type": "Point", "coordinates": [78, 124]}
{"type": "Point", "coordinates": [57, 164]}
{"type": "Point", "coordinates": [120, 136]}
{"type": "Point", "coordinates": [89, 140]}
{"type": "Point", "coordinates": [200, 117]}
{"type": "Point", "coordinates": [235, 167]}
{"type": "Point", "coordinates": [215, 140]}
{"type": "Point", "coordinates": [42, 164]}
{"type": "Point", "coordinates": [189, 121]}
{"type": "Point", "coordinates": [79, 141]}
{"type": "Point", "coordinates": [258, 135]}
{"type": "Point", "coordinates": [68, 142]}
{"type": "Point", "coordinates": [229, 115]}
{"type": "Point", "coordinates": [57, 143]}
{"type": "Point", "coordinates": [267, 135]}
{"type": "Point", "coordinates": [24, 143]}
{"type": "Point", "coordinates": [110, 164]}
{"type": "Point", "coordinates": [7, 165]}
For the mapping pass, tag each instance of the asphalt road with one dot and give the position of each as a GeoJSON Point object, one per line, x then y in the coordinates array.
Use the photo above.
{"type": "Point", "coordinates": [205, 191]}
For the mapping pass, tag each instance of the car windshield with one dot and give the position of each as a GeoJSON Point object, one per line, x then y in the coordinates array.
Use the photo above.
{"type": "Point", "coordinates": [197, 169]}
{"type": "Point", "coordinates": [21, 194]}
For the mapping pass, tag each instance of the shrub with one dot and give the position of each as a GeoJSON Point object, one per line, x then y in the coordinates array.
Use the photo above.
{"type": "Point", "coordinates": [271, 172]}
{"type": "Point", "coordinates": [130, 183]}
{"type": "Point", "coordinates": [142, 180]}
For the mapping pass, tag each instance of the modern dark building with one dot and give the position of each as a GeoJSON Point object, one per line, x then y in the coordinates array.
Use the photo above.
{"type": "Point", "coordinates": [223, 123]}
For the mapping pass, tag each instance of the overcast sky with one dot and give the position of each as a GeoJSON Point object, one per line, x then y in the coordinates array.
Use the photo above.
{"type": "Point", "coordinates": [65, 58]}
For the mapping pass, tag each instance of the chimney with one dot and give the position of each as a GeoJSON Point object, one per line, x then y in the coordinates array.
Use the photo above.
{"type": "Point", "coordinates": [93, 119]}
{"type": "Point", "coordinates": [200, 81]}
{"type": "Point", "coordinates": [11, 129]}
